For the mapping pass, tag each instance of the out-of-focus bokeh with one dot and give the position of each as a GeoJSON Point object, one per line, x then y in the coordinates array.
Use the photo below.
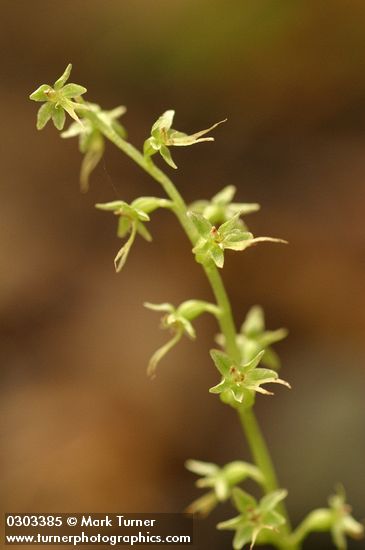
{"type": "Point", "coordinates": [83, 428]}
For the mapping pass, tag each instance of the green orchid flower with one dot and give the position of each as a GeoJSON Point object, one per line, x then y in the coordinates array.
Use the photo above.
{"type": "Point", "coordinates": [253, 338]}
{"type": "Point", "coordinates": [336, 519]}
{"type": "Point", "coordinates": [255, 518]}
{"type": "Point", "coordinates": [163, 136]}
{"type": "Point", "coordinates": [131, 219]}
{"type": "Point", "coordinates": [91, 140]}
{"type": "Point", "coordinates": [343, 524]}
{"type": "Point", "coordinates": [240, 383]}
{"type": "Point", "coordinates": [220, 208]}
{"type": "Point", "coordinates": [220, 481]}
{"type": "Point", "coordinates": [213, 242]}
{"type": "Point", "coordinates": [57, 99]}
{"type": "Point", "coordinates": [178, 320]}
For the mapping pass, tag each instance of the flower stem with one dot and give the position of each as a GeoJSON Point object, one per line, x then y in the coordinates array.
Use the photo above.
{"type": "Point", "coordinates": [261, 456]}
{"type": "Point", "coordinates": [249, 423]}
{"type": "Point", "coordinates": [225, 318]}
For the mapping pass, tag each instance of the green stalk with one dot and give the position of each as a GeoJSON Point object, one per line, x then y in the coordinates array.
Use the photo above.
{"type": "Point", "coordinates": [259, 448]}
{"type": "Point", "coordinates": [262, 457]}
{"type": "Point", "coordinates": [249, 423]}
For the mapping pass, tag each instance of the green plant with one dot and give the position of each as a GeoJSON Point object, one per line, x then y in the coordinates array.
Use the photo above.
{"type": "Point", "coordinates": [212, 226]}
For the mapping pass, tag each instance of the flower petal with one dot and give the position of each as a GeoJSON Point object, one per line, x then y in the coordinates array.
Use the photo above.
{"type": "Point", "coordinates": [63, 78]}
{"type": "Point", "coordinates": [166, 155]}
{"type": "Point", "coordinates": [217, 255]}
{"type": "Point", "coordinates": [73, 90]}
{"type": "Point", "coordinates": [164, 122]}
{"type": "Point", "coordinates": [44, 115]}
{"type": "Point", "coordinates": [270, 501]}
{"type": "Point", "coordinates": [180, 139]}
{"type": "Point", "coordinates": [222, 361]}
{"type": "Point", "coordinates": [201, 468]}
{"type": "Point", "coordinates": [225, 195]}
{"type": "Point", "coordinates": [58, 117]}
{"type": "Point", "coordinates": [161, 352]}
{"type": "Point", "coordinates": [40, 93]}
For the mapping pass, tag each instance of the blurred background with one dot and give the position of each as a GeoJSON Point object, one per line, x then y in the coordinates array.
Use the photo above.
{"type": "Point", "coordinates": [83, 429]}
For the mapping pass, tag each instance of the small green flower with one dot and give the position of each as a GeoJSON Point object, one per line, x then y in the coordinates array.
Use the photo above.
{"type": "Point", "coordinates": [336, 519]}
{"type": "Point", "coordinates": [91, 140]}
{"type": "Point", "coordinates": [254, 518]}
{"type": "Point", "coordinates": [131, 220]}
{"type": "Point", "coordinates": [343, 524]}
{"type": "Point", "coordinates": [220, 481]}
{"type": "Point", "coordinates": [253, 338]}
{"type": "Point", "coordinates": [212, 241]}
{"type": "Point", "coordinates": [178, 320]}
{"type": "Point", "coordinates": [163, 136]}
{"type": "Point", "coordinates": [58, 99]}
{"type": "Point", "coordinates": [240, 382]}
{"type": "Point", "coordinates": [220, 208]}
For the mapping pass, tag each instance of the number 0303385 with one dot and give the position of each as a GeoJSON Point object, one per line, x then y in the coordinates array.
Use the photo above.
{"type": "Point", "coordinates": [33, 521]}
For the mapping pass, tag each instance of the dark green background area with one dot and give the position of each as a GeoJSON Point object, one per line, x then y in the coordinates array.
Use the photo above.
{"type": "Point", "coordinates": [83, 428]}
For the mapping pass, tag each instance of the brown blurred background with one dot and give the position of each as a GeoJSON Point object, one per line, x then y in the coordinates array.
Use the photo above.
{"type": "Point", "coordinates": [83, 428]}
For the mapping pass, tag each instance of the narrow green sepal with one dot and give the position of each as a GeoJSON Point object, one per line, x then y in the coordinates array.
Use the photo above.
{"type": "Point", "coordinates": [40, 93]}
{"type": "Point", "coordinates": [122, 255]}
{"type": "Point", "coordinates": [166, 155]}
{"type": "Point", "coordinates": [58, 117]}
{"type": "Point", "coordinates": [202, 225]}
{"type": "Point", "coordinates": [163, 123]}
{"type": "Point", "coordinates": [143, 231]}
{"type": "Point", "coordinates": [161, 352]}
{"type": "Point", "coordinates": [148, 147]}
{"type": "Point", "coordinates": [150, 204]}
{"type": "Point", "coordinates": [61, 81]}
{"type": "Point", "coordinates": [217, 255]}
{"type": "Point", "coordinates": [225, 196]}
{"type": "Point", "coordinates": [73, 90]}
{"type": "Point", "coordinates": [92, 157]}
{"type": "Point", "coordinates": [44, 115]}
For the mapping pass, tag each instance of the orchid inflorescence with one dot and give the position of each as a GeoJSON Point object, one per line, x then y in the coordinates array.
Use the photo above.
{"type": "Point", "coordinates": [246, 361]}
